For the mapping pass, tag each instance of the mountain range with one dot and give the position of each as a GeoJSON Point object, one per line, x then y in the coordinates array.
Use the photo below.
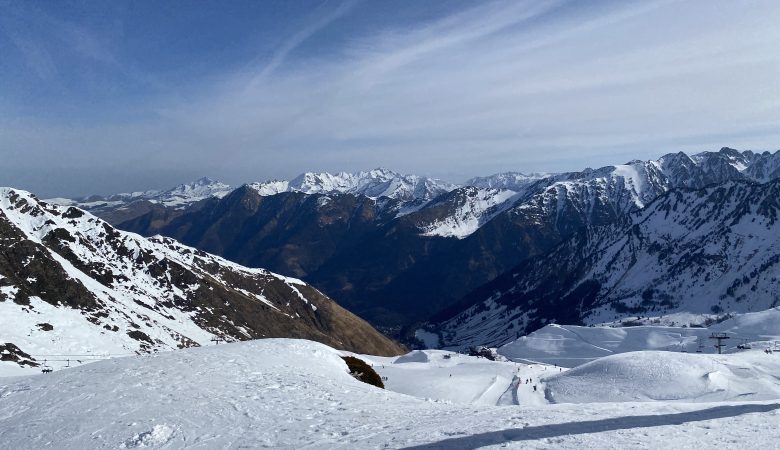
{"type": "Point", "coordinates": [400, 249]}
{"type": "Point", "coordinates": [71, 284]}
{"type": "Point", "coordinates": [697, 252]}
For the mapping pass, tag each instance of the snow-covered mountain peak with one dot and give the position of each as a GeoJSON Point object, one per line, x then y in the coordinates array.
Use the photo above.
{"type": "Point", "coordinates": [513, 181]}
{"type": "Point", "coordinates": [271, 187]}
{"type": "Point", "coordinates": [200, 185]}
{"type": "Point", "coordinates": [373, 183]}
{"type": "Point", "coordinates": [197, 190]}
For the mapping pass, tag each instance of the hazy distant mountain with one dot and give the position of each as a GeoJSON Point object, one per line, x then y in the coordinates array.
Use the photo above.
{"type": "Point", "coordinates": [179, 196]}
{"type": "Point", "coordinates": [513, 181]}
{"type": "Point", "coordinates": [70, 283]}
{"type": "Point", "coordinates": [121, 207]}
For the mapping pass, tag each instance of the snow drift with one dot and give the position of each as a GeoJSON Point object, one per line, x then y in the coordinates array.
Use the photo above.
{"type": "Point", "coordinates": [668, 376]}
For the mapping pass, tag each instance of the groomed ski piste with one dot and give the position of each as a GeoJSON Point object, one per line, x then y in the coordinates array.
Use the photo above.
{"type": "Point", "coordinates": [285, 393]}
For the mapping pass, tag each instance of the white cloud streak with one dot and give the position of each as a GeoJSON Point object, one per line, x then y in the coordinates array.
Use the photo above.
{"type": "Point", "coordinates": [504, 85]}
{"type": "Point", "coordinates": [300, 37]}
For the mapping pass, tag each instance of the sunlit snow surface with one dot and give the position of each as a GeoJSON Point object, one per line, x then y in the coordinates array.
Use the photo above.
{"type": "Point", "coordinates": [281, 393]}
{"type": "Point", "coordinates": [571, 345]}
{"type": "Point", "coordinates": [374, 183]}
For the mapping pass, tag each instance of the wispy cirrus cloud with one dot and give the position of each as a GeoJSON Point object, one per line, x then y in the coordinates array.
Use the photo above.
{"type": "Point", "coordinates": [317, 23]}
{"type": "Point", "coordinates": [496, 84]}
{"type": "Point", "coordinates": [528, 85]}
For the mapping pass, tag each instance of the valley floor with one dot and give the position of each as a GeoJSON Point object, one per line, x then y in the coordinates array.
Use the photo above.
{"type": "Point", "coordinates": [281, 393]}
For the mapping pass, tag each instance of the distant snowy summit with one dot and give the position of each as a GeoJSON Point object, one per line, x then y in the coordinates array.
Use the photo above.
{"type": "Point", "coordinates": [179, 196]}
{"type": "Point", "coordinates": [638, 181]}
{"type": "Point", "coordinates": [513, 181]}
{"type": "Point", "coordinates": [195, 191]}
{"type": "Point", "coordinates": [374, 184]}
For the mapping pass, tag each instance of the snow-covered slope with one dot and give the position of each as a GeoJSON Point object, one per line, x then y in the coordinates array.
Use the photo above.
{"type": "Point", "coordinates": [568, 201]}
{"type": "Point", "coordinates": [373, 183]}
{"type": "Point", "coordinates": [697, 251]}
{"type": "Point", "coordinates": [70, 284]}
{"type": "Point", "coordinates": [752, 327]}
{"type": "Point", "coordinates": [572, 345]}
{"type": "Point", "coordinates": [280, 393]}
{"type": "Point", "coordinates": [463, 211]}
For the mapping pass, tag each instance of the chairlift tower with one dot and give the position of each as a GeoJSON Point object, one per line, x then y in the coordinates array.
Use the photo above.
{"type": "Point", "coordinates": [720, 337]}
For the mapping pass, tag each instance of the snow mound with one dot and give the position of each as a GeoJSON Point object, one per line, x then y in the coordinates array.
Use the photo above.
{"type": "Point", "coordinates": [172, 399]}
{"type": "Point", "coordinates": [666, 376]}
{"type": "Point", "coordinates": [157, 436]}
{"type": "Point", "coordinates": [417, 356]}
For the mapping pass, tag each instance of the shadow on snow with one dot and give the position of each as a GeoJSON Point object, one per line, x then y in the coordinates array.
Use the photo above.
{"type": "Point", "coordinates": [594, 426]}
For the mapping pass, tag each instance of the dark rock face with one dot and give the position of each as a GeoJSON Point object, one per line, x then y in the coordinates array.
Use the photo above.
{"type": "Point", "coordinates": [31, 270]}
{"type": "Point", "coordinates": [157, 293]}
{"type": "Point", "coordinates": [10, 352]}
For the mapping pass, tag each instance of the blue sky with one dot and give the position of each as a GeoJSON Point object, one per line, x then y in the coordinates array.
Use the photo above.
{"type": "Point", "coordinates": [101, 97]}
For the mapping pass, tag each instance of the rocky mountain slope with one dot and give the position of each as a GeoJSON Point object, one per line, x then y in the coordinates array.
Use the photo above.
{"type": "Point", "coordinates": [398, 255]}
{"type": "Point", "coordinates": [72, 284]}
{"type": "Point", "coordinates": [705, 251]}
